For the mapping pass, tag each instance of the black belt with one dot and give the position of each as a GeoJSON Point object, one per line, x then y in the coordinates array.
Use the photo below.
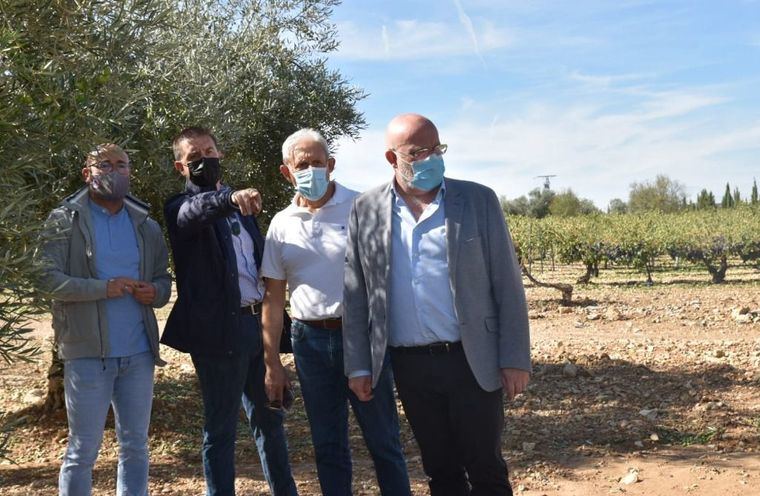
{"type": "Point", "coordinates": [429, 349]}
{"type": "Point", "coordinates": [332, 324]}
{"type": "Point", "coordinates": [252, 309]}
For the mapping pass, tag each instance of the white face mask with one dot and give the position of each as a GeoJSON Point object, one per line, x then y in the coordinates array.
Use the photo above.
{"type": "Point", "coordinates": [312, 183]}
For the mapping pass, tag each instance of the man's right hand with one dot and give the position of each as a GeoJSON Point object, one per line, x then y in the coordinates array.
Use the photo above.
{"type": "Point", "coordinates": [275, 381]}
{"type": "Point", "coordinates": [362, 387]}
{"type": "Point", "coordinates": [119, 286]}
{"type": "Point", "coordinates": [247, 200]}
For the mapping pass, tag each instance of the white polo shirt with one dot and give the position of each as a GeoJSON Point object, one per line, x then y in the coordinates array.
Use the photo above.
{"type": "Point", "coordinates": [308, 250]}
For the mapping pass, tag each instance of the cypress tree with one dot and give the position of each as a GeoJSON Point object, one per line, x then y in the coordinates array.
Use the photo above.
{"type": "Point", "coordinates": [728, 200]}
{"type": "Point", "coordinates": [705, 200]}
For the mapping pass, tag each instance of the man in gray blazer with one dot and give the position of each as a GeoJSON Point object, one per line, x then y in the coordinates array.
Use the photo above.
{"type": "Point", "coordinates": [431, 275]}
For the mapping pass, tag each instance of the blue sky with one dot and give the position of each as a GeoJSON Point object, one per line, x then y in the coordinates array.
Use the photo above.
{"type": "Point", "coordinates": [600, 93]}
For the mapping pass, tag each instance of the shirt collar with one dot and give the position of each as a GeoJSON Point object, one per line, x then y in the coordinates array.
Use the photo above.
{"type": "Point", "coordinates": [94, 207]}
{"type": "Point", "coordinates": [340, 195]}
{"type": "Point", "coordinates": [399, 200]}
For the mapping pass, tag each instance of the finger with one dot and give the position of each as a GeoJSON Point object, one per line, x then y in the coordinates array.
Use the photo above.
{"type": "Point", "coordinates": [270, 392]}
{"type": "Point", "coordinates": [367, 390]}
{"type": "Point", "coordinates": [511, 390]}
{"type": "Point", "coordinates": [244, 207]}
{"type": "Point", "coordinates": [523, 385]}
{"type": "Point", "coordinates": [277, 394]}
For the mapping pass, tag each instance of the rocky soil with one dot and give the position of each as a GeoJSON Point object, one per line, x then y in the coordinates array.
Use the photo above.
{"type": "Point", "coordinates": [650, 390]}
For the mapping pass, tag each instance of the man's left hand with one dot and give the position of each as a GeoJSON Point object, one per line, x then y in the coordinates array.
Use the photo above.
{"type": "Point", "coordinates": [514, 381]}
{"type": "Point", "coordinates": [144, 292]}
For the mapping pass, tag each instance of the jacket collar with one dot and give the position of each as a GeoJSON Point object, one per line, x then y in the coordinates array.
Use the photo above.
{"type": "Point", "coordinates": [138, 210]}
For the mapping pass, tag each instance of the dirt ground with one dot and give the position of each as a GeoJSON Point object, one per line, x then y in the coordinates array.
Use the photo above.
{"type": "Point", "coordinates": [640, 390]}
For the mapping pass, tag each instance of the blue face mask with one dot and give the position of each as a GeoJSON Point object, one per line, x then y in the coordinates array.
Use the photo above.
{"type": "Point", "coordinates": [428, 173]}
{"type": "Point", "coordinates": [312, 183]}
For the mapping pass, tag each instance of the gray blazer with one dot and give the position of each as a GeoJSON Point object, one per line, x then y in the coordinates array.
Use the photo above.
{"type": "Point", "coordinates": [483, 272]}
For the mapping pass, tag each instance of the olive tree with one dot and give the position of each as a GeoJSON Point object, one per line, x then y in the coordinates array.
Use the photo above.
{"type": "Point", "coordinates": [135, 72]}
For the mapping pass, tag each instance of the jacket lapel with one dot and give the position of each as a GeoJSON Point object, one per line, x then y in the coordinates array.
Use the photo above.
{"type": "Point", "coordinates": [454, 207]}
{"type": "Point", "coordinates": [384, 223]}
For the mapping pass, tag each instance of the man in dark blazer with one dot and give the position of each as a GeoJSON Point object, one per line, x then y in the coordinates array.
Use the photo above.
{"type": "Point", "coordinates": [217, 248]}
{"type": "Point", "coordinates": [432, 276]}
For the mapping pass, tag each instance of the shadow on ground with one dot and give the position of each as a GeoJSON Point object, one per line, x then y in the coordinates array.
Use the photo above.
{"type": "Point", "coordinates": [619, 407]}
{"type": "Point", "coordinates": [609, 407]}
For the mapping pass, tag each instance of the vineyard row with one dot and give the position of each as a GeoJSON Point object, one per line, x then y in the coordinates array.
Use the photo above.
{"type": "Point", "coordinates": [706, 238]}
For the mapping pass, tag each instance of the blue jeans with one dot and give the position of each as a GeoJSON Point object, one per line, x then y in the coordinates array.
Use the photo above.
{"type": "Point", "coordinates": [319, 361]}
{"type": "Point", "coordinates": [91, 386]}
{"type": "Point", "coordinates": [225, 380]}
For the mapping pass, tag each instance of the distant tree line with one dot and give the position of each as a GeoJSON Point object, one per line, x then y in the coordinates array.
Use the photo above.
{"type": "Point", "coordinates": [662, 194]}
{"type": "Point", "coordinates": [542, 202]}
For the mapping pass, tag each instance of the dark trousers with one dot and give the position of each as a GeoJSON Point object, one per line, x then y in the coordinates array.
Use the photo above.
{"type": "Point", "coordinates": [457, 424]}
{"type": "Point", "coordinates": [226, 382]}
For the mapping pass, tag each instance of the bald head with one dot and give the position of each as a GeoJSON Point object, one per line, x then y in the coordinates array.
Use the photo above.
{"type": "Point", "coordinates": [411, 138]}
{"type": "Point", "coordinates": [410, 129]}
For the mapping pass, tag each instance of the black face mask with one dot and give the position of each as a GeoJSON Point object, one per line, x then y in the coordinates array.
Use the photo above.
{"type": "Point", "coordinates": [205, 172]}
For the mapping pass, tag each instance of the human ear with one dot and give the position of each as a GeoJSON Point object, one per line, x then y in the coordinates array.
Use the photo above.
{"type": "Point", "coordinates": [285, 171]}
{"type": "Point", "coordinates": [390, 156]}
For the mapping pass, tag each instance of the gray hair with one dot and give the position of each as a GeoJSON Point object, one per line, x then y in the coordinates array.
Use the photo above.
{"type": "Point", "coordinates": [289, 146]}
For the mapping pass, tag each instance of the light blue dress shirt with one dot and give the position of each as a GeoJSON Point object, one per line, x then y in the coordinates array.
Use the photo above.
{"type": "Point", "coordinates": [421, 301]}
{"type": "Point", "coordinates": [248, 274]}
{"type": "Point", "coordinates": [117, 255]}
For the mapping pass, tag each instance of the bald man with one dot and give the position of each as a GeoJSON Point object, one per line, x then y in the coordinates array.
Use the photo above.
{"type": "Point", "coordinates": [431, 276]}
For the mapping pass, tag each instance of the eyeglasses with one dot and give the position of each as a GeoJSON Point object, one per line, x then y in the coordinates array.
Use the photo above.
{"type": "Point", "coordinates": [105, 166]}
{"type": "Point", "coordinates": [424, 152]}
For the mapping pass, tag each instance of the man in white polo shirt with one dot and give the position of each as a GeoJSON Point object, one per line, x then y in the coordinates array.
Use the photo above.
{"type": "Point", "coordinates": [305, 253]}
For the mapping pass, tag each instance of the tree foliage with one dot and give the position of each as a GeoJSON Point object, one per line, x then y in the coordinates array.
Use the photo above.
{"type": "Point", "coordinates": [661, 195]}
{"type": "Point", "coordinates": [134, 72]}
{"type": "Point", "coordinates": [705, 200]}
{"type": "Point", "coordinates": [737, 197]}
{"type": "Point", "coordinates": [728, 199]}
{"type": "Point", "coordinates": [535, 205]}
{"type": "Point", "coordinates": [567, 204]}
{"type": "Point", "coordinates": [617, 206]}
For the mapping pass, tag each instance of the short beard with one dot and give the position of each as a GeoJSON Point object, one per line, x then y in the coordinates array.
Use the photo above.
{"type": "Point", "coordinates": [406, 172]}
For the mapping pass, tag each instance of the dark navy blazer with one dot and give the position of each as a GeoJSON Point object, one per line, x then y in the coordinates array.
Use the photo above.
{"type": "Point", "coordinates": [206, 315]}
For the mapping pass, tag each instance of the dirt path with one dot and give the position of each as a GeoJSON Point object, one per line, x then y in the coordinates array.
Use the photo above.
{"type": "Point", "coordinates": [660, 382]}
